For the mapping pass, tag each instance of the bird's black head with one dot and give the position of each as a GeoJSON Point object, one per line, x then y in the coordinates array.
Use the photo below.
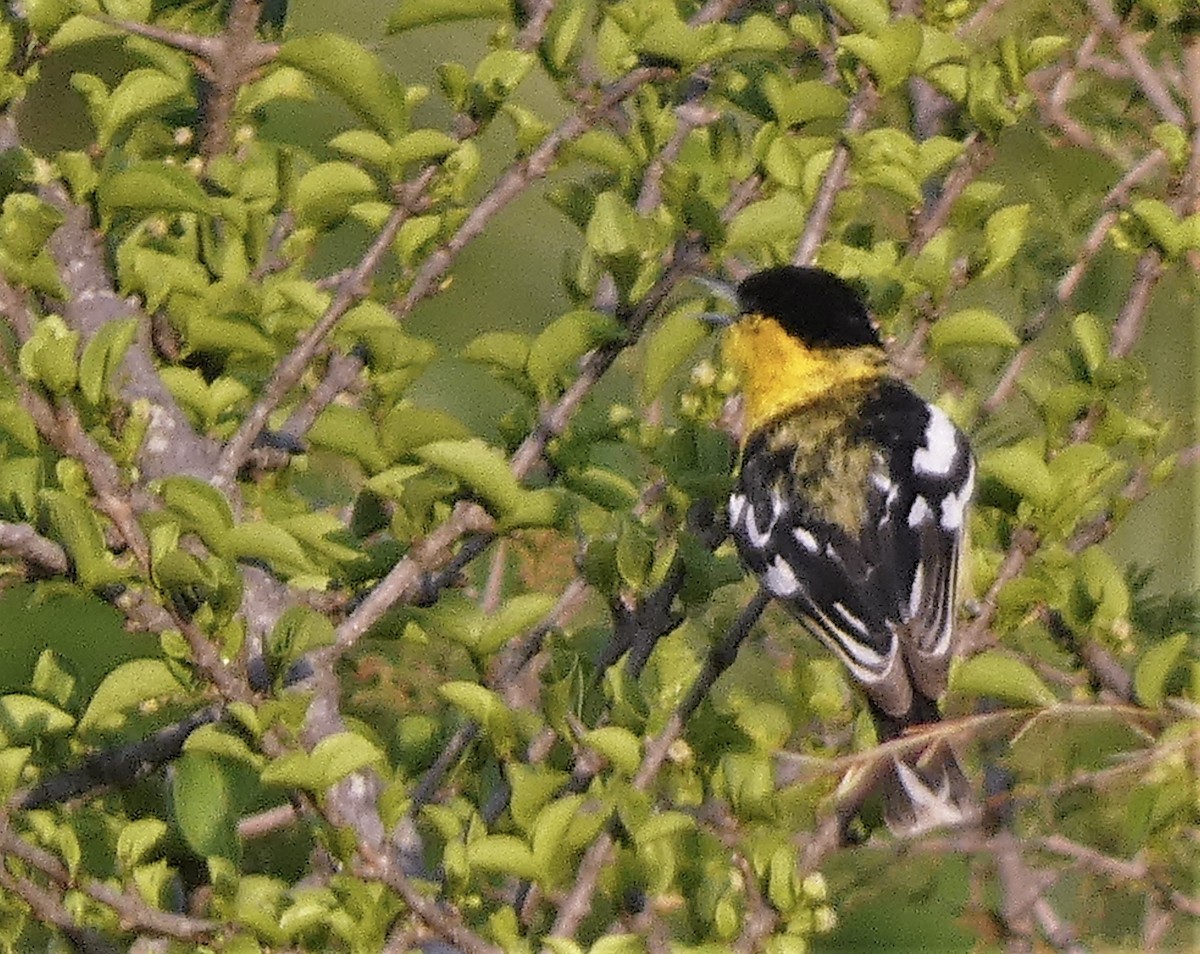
{"type": "Point", "coordinates": [810, 303]}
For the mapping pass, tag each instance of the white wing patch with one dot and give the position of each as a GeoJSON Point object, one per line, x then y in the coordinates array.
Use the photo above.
{"type": "Point", "coordinates": [806, 540]}
{"type": "Point", "coordinates": [937, 457]}
{"type": "Point", "coordinates": [781, 578]}
{"type": "Point", "coordinates": [955, 505]}
{"type": "Point", "coordinates": [737, 506]}
{"type": "Point", "coordinates": [920, 513]}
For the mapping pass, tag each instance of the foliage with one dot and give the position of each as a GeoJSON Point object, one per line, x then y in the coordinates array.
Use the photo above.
{"type": "Point", "coordinates": [412, 679]}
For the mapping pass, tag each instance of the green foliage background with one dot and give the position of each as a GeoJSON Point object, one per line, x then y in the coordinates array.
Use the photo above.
{"type": "Point", "coordinates": [450, 628]}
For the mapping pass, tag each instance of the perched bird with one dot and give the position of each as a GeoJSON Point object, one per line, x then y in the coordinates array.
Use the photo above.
{"type": "Point", "coordinates": [850, 507]}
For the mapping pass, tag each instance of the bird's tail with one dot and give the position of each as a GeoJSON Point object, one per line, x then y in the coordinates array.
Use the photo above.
{"type": "Point", "coordinates": [926, 790]}
{"type": "Point", "coordinates": [924, 787]}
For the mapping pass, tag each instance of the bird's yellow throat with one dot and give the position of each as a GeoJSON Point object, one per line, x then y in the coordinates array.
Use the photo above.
{"type": "Point", "coordinates": [779, 373]}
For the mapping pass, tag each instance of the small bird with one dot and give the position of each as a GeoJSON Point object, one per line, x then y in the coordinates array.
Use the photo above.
{"type": "Point", "coordinates": [850, 508]}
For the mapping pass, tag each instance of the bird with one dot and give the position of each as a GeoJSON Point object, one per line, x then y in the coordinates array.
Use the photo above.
{"type": "Point", "coordinates": [850, 506]}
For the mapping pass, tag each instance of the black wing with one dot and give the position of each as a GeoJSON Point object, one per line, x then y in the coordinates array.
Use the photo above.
{"type": "Point", "coordinates": [877, 582]}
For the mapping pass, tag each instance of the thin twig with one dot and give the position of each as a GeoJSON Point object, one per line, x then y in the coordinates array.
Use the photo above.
{"type": "Point", "coordinates": [1146, 76]}
{"type": "Point", "coordinates": [834, 179]}
{"type": "Point", "coordinates": [574, 908]}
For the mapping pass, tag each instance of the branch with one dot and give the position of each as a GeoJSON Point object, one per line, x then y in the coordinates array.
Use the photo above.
{"type": "Point", "coordinates": [442, 920]}
{"type": "Point", "coordinates": [172, 445]}
{"type": "Point", "coordinates": [575, 907]}
{"type": "Point", "coordinates": [1069, 284]}
{"type": "Point", "coordinates": [117, 767]}
{"type": "Point", "coordinates": [135, 914]}
{"type": "Point", "coordinates": [352, 289]}
{"type": "Point", "coordinates": [1143, 72]}
{"type": "Point", "coordinates": [518, 178]}
{"type": "Point", "coordinates": [815, 229]}
{"type": "Point", "coordinates": [20, 540]}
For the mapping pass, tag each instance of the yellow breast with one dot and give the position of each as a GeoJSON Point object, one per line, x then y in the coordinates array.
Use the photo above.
{"type": "Point", "coordinates": [779, 373]}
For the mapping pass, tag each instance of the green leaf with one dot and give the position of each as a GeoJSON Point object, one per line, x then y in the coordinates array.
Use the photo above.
{"type": "Point", "coordinates": [550, 848]}
{"type": "Point", "coordinates": [350, 431]}
{"type": "Point", "coordinates": [507, 350]}
{"type": "Point", "coordinates": [517, 615]}
{"type": "Point", "coordinates": [202, 508]}
{"type": "Point", "coordinates": [370, 147]}
{"type": "Point", "coordinates": [972, 328]}
{"type": "Point", "coordinates": [999, 676]}
{"type": "Point", "coordinates": [483, 706]}
{"type": "Point", "coordinates": [27, 718]}
{"type": "Point", "coordinates": [797, 103]}
{"type": "Point", "coordinates": [140, 94]}
{"type": "Point", "coordinates": [565, 27]}
{"type": "Point", "coordinates": [614, 228]}
{"type": "Point", "coordinates": [12, 769]}
{"type": "Point", "coordinates": [294, 770]}
{"type": "Point", "coordinates": [259, 540]}
{"type": "Point", "coordinates": [778, 219]}
{"type": "Point", "coordinates": [422, 145]}
{"type": "Point", "coordinates": [1022, 468]}
{"type": "Point", "coordinates": [407, 427]}
{"type": "Point", "coordinates": [481, 467]}
{"type": "Point", "coordinates": [673, 342]}
{"type": "Point", "coordinates": [1166, 229]}
{"type": "Point", "coordinates": [208, 795]}
{"type": "Point", "coordinates": [1004, 234]}
{"type": "Point", "coordinates": [151, 187]}
{"type": "Point", "coordinates": [565, 340]}
{"type": "Point", "coordinates": [418, 13]}
{"type": "Point", "coordinates": [138, 839]}
{"type": "Point", "coordinates": [891, 54]}
{"type": "Point", "coordinates": [49, 356]}
{"type": "Point", "coordinates": [103, 355]}
{"type": "Point", "coordinates": [299, 630]}
{"type": "Point", "coordinates": [52, 678]}
{"type": "Point", "coordinates": [620, 746]}
{"type": "Point", "coordinates": [126, 687]}
{"type": "Point", "coordinates": [1092, 338]}
{"type": "Point", "coordinates": [326, 192]}
{"type": "Point", "coordinates": [342, 754]}
{"type": "Point", "coordinates": [1156, 664]}
{"type": "Point", "coordinates": [504, 854]}
{"type": "Point", "coordinates": [533, 787]}
{"type": "Point", "coordinates": [78, 527]}
{"type": "Point", "coordinates": [353, 73]}
{"type": "Point", "coordinates": [869, 16]}
{"type": "Point", "coordinates": [223, 742]}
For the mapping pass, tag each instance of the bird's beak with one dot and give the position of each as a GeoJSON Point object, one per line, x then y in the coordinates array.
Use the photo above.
{"type": "Point", "coordinates": [720, 289]}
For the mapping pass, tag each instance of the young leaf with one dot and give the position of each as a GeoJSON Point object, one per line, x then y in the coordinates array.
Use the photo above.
{"type": "Point", "coordinates": [410, 14]}
{"type": "Point", "coordinates": [1002, 677]}
{"type": "Point", "coordinates": [972, 328]}
{"type": "Point", "coordinates": [353, 73]}
{"type": "Point", "coordinates": [103, 355]}
{"type": "Point", "coordinates": [127, 686]}
{"type": "Point", "coordinates": [1156, 664]}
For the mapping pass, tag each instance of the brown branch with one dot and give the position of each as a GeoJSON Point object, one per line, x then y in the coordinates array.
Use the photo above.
{"type": "Point", "coordinates": [171, 445]}
{"type": "Point", "coordinates": [1069, 284]}
{"type": "Point", "coordinates": [50, 910]}
{"type": "Point", "coordinates": [22, 541]}
{"type": "Point", "coordinates": [576, 905]}
{"type": "Point", "coordinates": [135, 913]}
{"type": "Point", "coordinates": [237, 57]}
{"type": "Point", "coordinates": [975, 636]}
{"type": "Point", "coordinates": [815, 228]}
{"type": "Point", "coordinates": [439, 918]}
{"type": "Point", "coordinates": [1146, 76]}
{"type": "Point", "coordinates": [289, 371]}
{"type": "Point", "coordinates": [517, 179]}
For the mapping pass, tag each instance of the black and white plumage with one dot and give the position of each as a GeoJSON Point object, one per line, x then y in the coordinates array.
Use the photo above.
{"type": "Point", "coordinates": [875, 577]}
{"type": "Point", "coordinates": [850, 507]}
